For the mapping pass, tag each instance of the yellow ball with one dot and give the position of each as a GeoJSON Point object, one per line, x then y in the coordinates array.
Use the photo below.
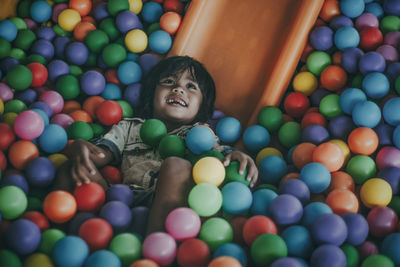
{"type": "Point", "coordinates": [209, 170]}
{"type": "Point", "coordinates": [305, 82]}
{"type": "Point", "coordinates": [265, 152]}
{"type": "Point", "coordinates": [1, 106]}
{"type": "Point", "coordinates": [344, 147]}
{"type": "Point", "coordinates": [38, 259]}
{"type": "Point", "coordinates": [58, 159]}
{"type": "Point", "coordinates": [135, 6]}
{"type": "Point", "coordinates": [9, 118]}
{"type": "Point", "coordinates": [136, 41]}
{"type": "Point", "coordinates": [68, 19]}
{"type": "Point", "coordinates": [376, 192]}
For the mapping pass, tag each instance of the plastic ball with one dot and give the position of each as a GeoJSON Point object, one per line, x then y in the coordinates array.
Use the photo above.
{"type": "Point", "coordinates": [152, 12]}
{"type": "Point", "coordinates": [378, 259]}
{"type": "Point", "coordinates": [329, 229]}
{"type": "Point", "coordinates": [8, 30]}
{"type": "Point", "coordinates": [136, 41]}
{"type": "Point", "coordinates": [70, 251]}
{"type": "Point", "coordinates": [333, 78]}
{"type": "Point", "coordinates": [171, 145]}
{"type": "Point", "coordinates": [363, 140]}
{"type": "Point", "coordinates": [390, 111]}
{"type": "Point", "coordinates": [170, 22]}
{"type": "Point", "coordinates": [230, 202]}
{"type": "Point", "coordinates": [127, 247]}
{"type": "Point", "coordinates": [341, 126]}
{"type": "Point", "coordinates": [109, 112]}
{"type": "Point", "coordinates": [199, 139]}
{"type": "Point", "coordinates": [232, 173]}
{"type": "Point", "coordinates": [261, 200]}
{"type": "Point", "coordinates": [118, 214]}
{"type": "Point", "coordinates": [120, 192]}
{"type": "Point", "coordinates": [366, 114]}
{"type": "Point", "coordinates": [62, 119]}
{"type": "Point", "coordinates": [296, 104]}
{"type": "Point", "coordinates": [82, 6]}
{"type": "Point", "coordinates": [267, 248]}
{"type": "Point", "coordinates": [361, 168]}
{"type": "Point", "coordinates": [289, 134]}
{"type": "Point", "coordinates": [19, 77]}
{"type": "Point", "coordinates": [376, 192]}
{"type": "Point", "coordinates": [272, 169]}
{"type": "Point", "coordinates": [160, 41]}
{"type": "Point", "coordinates": [372, 62]}
{"type": "Point", "coordinates": [28, 125]}
{"type": "Point", "coordinates": [342, 201]}
{"type": "Point", "coordinates": [13, 202]}
{"type": "Point", "coordinates": [215, 232]}
{"type": "Point", "coordinates": [7, 136]}
{"type": "Point", "coordinates": [59, 206]}
{"type": "Point", "coordinates": [328, 255]}
{"type": "Point", "coordinates": [205, 199]}
{"type": "Point", "coordinates": [391, 175]}
{"type": "Point", "coordinates": [330, 155]}
{"type": "Point", "coordinates": [341, 180]}
{"type": "Point", "coordinates": [321, 38]}
{"type": "Point", "coordinates": [317, 61]}
{"type": "Point", "coordinates": [388, 52]}
{"type": "Point", "coordinates": [298, 241]}
{"type": "Point", "coordinates": [97, 233]}
{"type": "Point", "coordinates": [349, 98]}
{"type": "Point", "coordinates": [357, 227]}
{"type": "Point", "coordinates": [76, 53]}
{"type": "Point", "coordinates": [302, 154]}
{"type": "Point", "coordinates": [144, 263]}
{"type": "Point", "coordinates": [21, 152]}
{"type": "Point", "coordinates": [312, 211]}
{"type": "Point", "coordinates": [270, 117]}
{"type": "Point", "coordinates": [39, 73]}
{"type": "Point", "coordinates": [53, 99]}
{"type": "Point", "coordinates": [209, 170]}
{"type": "Point", "coordinates": [346, 37]}
{"type": "Point", "coordinates": [286, 209]}
{"type": "Point", "coordinates": [376, 85]}
{"type": "Point", "coordinates": [330, 106]}
{"type": "Point", "coordinates": [256, 226]}
{"type": "Point", "coordinates": [297, 188]}
{"type": "Point", "coordinates": [228, 129]}
{"type": "Point", "coordinates": [68, 19]}
{"type": "Point", "coordinates": [17, 180]}
{"type": "Point", "coordinates": [92, 82]}
{"type": "Point", "coordinates": [193, 252]}
{"type": "Point", "coordinates": [160, 247]}
{"type": "Point", "coordinates": [96, 40]}
{"type": "Point", "coordinates": [48, 239]}
{"type": "Point", "coordinates": [305, 82]}
{"type": "Point", "coordinates": [350, 59]}
{"type": "Point", "coordinates": [113, 54]}
{"type": "Point", "coordinates": [53, 139]}
{"type": "Point", "coordinates": [23, 236]}
{"type": "Point", "coordinates": [89, 197]}
{"type": "Point", "coordinates": [103, 258]}
{"type": "Point", "coordinates": [316, 176]}
{"type": "Point", "coordinates": [222, 261]}
{"type": "Point", "coordinates": [40, 172]}
{"type": "Point", "coordinates": [382, 221]}
{"type": "Point", "coordinates": [370, 38]}
{"type": "Point", "coordinates": [38, 259]}
{"type": "Point", "coordinates": [40, 11]}
{"type": "Point", "coordinates": [182, 223]}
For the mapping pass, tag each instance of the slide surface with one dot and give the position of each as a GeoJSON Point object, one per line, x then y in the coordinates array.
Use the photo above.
{"type": "Point", "coordinates": [251, 48]}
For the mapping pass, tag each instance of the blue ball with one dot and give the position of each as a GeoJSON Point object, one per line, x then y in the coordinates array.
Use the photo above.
{"type": "Point", "coordinates": [17, 180]}
{"type": "Point", "coordinates": [127, 20]}
{"type": "Point", "coordinates": [42, 106]}
{"type": "Point", "coordinates": [272, 168]}
{"type": "Point", "coordinates": [111, 92]}
{"type": "Point", "coordinates": [312, 211]}
{"type": "Point", "coordinates": [118, 214]}
{"type": "Point", "coordinates": [372, 62]}
{"type": "Point", "coordinates": [391, 111]}
{"type": "Point", "coordinates": [340, 21]}
{"type": "Point", "coordinates": [103, 258]}
{"type": "Point", "coordinates": [233, 204]}
{"type": "Point", "coordinates": [376, 85]}
{"type": "Point", "coordinates": [120, 192]}
{"type": "Point", "coordinates": [57, 68]}
{"type": "Point", "coordinates": [391, 7]}
{"type": "Point", "coordinates": [70, 251]}
{"type": "Point", "coordinates": [341, 126]}
{"type": "Point", "coordinates": [60, 42]}
{"type": "Point", "coordinates": [285, 209]}
{"type": "Point", "coordinates": [132, 94]}
{"type": "Point", "coordinates": [350, 58]}
{"type": "Point", "coordinates": [40, 11]}
{"type": "Point", "coordinates": [129, 72]}
{"type": "Point", "coordinates": [297, 188]}
{"type": "Point", "coordinates": [329, 228]}
{"type": "Point", "coordinates": [43, 47]}
{"type": "Point", "coordinates": [261, 200]}
{"type": "Point", "coordinates": [396, 136]}
{"type": "Point", "coordinates": [28, 96]}
{"type": "Point", "coordinates": [43, 115]}
{"type": "Point", "coordinates": [152, 12]}
{"type": "Point", "coordinates": [357, 228]}
{"type": "Point", "coordinates": [199, 139]}
{"type": "Point", "coordinates": [298, 241]}
{"type": "Point", "coordinates": [366, 114]}
{"type": "Point", "coordinates": [346, 37]}
{"type": "Point", "coordinates": [256, 138]}
{"type": "Point", "coordinates": [160, 41]}
{"type": "Point", "coordinates": [352, 8]}
{"type": "Point", "coordinates": [315, 134]}
{"type": "Point", "coordinates": [232, 250]}
{"type": "Point", "coordinates": [228, 129]}
{"type": "Point", "coordinates": [349, 98]}
{"type": "Point", "coordinates": [321, 38]}
{"type": "Point", "coordinates": [316, 176]}
{"type": "Point", "coordinates": [375, 8]}
{"type": "Point", "coordinates": [40, 172]}
{"type": "Point", "coordinates": [101, 11]}
{"type": "Point", "coordinates": [288, 262]}
{"type": "Point", "coordinates": [23, 236]}
{"type": "Point", "coordinates": [46, 32]}
{"type": "Point", "coordinates": [328, 256]}
{"type": "Point", "coordinates": [8, 30]}
{"type": "Point", "coordinates": [92, 82]}
{"type": "Point", "coordinates": [392, 176]}
{"type": "Point", "coordinates": [76, 53]}
{"type": "Point", "coordinates": [53, 139]}
{"type": "Point", "coordinates": [391, 247]}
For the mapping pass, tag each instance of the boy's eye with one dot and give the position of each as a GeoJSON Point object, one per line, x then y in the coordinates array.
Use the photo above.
{"type": "Point", "coordinates": [167, 81]}
{"type": "Point", "coordinates": [191, 86]}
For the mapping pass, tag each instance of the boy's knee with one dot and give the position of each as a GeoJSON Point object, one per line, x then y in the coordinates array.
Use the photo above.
{"type": "Point", "coordinates": [176, 166]}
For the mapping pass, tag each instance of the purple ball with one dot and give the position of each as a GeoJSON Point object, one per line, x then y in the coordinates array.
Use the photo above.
{"type": "Point", "coordinates": [62, 119]}
{"type": "Point", "coordinates": [351, 58]}
{"type": "Point", "coordinates": [118, 214]}
{"type": "Point", "coordinates": [328, 256]}
{"type": "Point", "coordinates": [132, 94]}
{"type": "Point", "coordinates": [127, 20]}
{"type": "Point", "coordinates": [28, 96]}
{"type": "Point", "coordinates": [285, 209]}
{"type": "Point", "coordinates": [7, 63]}
{"type": "Point", "coordinates": [139, 221]}
{"type": "Point", "coordinates": [120, 192]}
{"type": "Point", "coordinates": [46, 33]}
{"type": "Point", "coordinates": [340, 21]}
{"type": "Point", "coordinates": [43, 106]}
{"type": "Point", "coordinates": [17, 180]}
{"type": "Point", "coordinates": [372, 62]}
{"type": "Point", "coordinates": [147, 62]}
{"type": "Point", "coordinates": [76, 53]}
{"type": "Point", "coordinates": [321, 38]}
{"type": "Point", "coordinates": [357, 228]}
{"type": "Point", "coordinates": [92, 82]}
{"type": "Point", "coordinates": [101, 12]}
{"type": "Point", "coordinates": [392, 38]}
{"type": "Point", "coordinates": [286, 262]}
{"type": "Point", "coordinates": [40, 171]}
{"type": "Point", "coordinates": [30, 23]}
{"type": "Point", "coordinates": [57, 10]}
{"type": "Point", "coordinates": [315, 134]}
{"type": "Point", "coordinates": [60, 42]}
{"type": "Point", "coordinates": [297, 188]}
{"type": "Point", "coordinates": [385, 134]}
{"type": "Point", "coordinates": [317, 95]}
{"type": "Point", "coordinates": [329, 228]}
{"type": "Point", "coordinates": [392, 176]}
{"type": "Point", "coordinates": [367, 20]}
{"type": "Point", "coordinates": [382, 221]}
{"type": "Point", "coordinates": [366, 249]}
{"type": "Point", "coordinates": [76, 222]}
{"type": "Point", "coordinates": [392, 7]}
{"type": "Point", "coordinates": [44, 48]}
{"type": "Point", "coordinates": [388, 52]}
{"type": "Point", "coordinates": [57, 68]}
{"type": "Point", "coordinates": [6, 93]}
{"type": "Point", "coordinates": [23, 236]}
{"type": "Point", "coordinates": [341, 126]}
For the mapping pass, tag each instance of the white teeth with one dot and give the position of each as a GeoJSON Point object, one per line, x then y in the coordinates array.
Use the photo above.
{"type": "Point", "coordinates": [176, 101]}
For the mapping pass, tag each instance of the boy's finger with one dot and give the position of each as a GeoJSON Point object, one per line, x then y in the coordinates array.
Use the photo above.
{"type": "Point", "coordinates": [87, 162]}
{"type": "Point", "coordinates": [227, 160]}
{"type": "Point", "coordinates": [96, 150]}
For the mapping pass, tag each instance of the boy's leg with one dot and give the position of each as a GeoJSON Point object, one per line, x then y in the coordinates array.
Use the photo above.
{"type": "Point", "coordinates": [173, 186]}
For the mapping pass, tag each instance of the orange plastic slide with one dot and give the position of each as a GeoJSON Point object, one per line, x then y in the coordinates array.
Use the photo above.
{"type": "Point", "coordinates": [251, 48]}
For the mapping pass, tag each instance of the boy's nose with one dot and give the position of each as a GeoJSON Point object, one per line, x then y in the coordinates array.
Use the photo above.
{"type": "Point", "coordinates": [178, 90]}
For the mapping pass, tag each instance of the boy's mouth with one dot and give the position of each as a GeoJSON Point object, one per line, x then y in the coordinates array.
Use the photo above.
{"type": "Point", "coordinates": [176, 101]}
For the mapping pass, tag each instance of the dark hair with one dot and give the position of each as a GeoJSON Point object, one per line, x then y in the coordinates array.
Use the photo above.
{"type": "Point", "coordinates": [173, 66]}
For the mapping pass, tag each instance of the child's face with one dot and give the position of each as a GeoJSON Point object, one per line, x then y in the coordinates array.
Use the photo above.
{"type": "Point", "coordinates": [177, 100]}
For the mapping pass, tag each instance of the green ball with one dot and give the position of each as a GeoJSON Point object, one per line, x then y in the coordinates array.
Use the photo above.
{"type": "Point", "coordinates": [352, 256]}
{"type": "Point", "coordinates": [60, 31]}
{"type": "Point", "coordinates": [13, 202]}
{"type": "Point", "coordinates": [96, 40]}
{"type": "Point", "coordinates": [357, 81]}
{"type": "Point", "coordinates": [113, 54]}
{"type": "Point", "coordinates": [216, 232]}
{"type": "Point", "coordinates": [329, 106]}
{"type": "Point", "coordinates": [152, 131]}
{"type": "Point", "coordinates": [127, 247]}
{"type": "Point", "coordinates": [34, 203]}
{"type": "Point", "coordinates": [361, 168]}
{"type": "Point", "coordinates": [14, 105]}
{"type": "Point", "coordinates": [377, 260]}
{"type": "Point", "coordinates": [25, 39]}
{"type": "Point", "coordinates": [80, 129]}
{"type": "Point", "coordinates": [9, 259]}
{"type": "Point", "coordinates": [23, 9]}
{"type": "Point", "coordinates": [290, 134]}
{"type": "Point", "coordinates": [75, 70]}
{"type": "Point", "coordinates": [267, 248]}
{"type": "Point", "coordinates": [389, 24]}
{"type": "Point", "coordinates": [19, 77]}
{"type": "Point", "coordinates": [68, 86]}
{"type": "Point", "coordinates": [193, 158]}
{"type": "Point", "coordinates": [19, 22]}
{"type": "Point", "coordinates": [317, 61]}
{"type": "Point", "coordinates": [5, 48]}
{"type": "Point", "coordinates": [397, 85]}
{"type": "Point", "coordinates": [171, 145]}
{"type": "Point", "coordinates": [153, 27]}
{"type": "Point", "coordinates": [109, 27]}
{"type": "Point", "coordinates": [49, 239]}
{"type": "Point", "coordinates": [395, 204]}
{"type": "Point", "coordinates": [91, 61]}
{"type": "Point", "coordinates": [97, 129]}
{"type": "Point", "coordinates": [270, 117]}
{"type": "Point", "coordinates": [205, 199]}
{"type": "Point", "coordinates": [232, 173]}
{"type": "Point", "coordinates": [35, 58]}
{"type": "Point", "coordinates": [267, 186]}
{"type": "Point", "coordinates": [17, 53]}
{"type": "Point", "coordinates": [127, 110]}
{"type": "Point", "coordinates": [116, 6]}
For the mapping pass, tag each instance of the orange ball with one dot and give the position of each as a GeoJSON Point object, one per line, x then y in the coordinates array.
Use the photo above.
{"type": "Point", "coordinates": [144, 263]}
{"type": "Point", "coordinates": [329, 9]}
{"type": "Point", "coordinates": [89, 19]}
{"type": "Point", "coordinates": [71, 105]}
{"type": "Point", "coordinates": [21, 152]}
{"type": "Point", "coordinates": [363, 140]}
{"type": "Point", "coordinates": [313, 118]}
{"type": "Point", "coordinates": [333, 78]}
{"type": "Point", "coordinates": [81, 115]}
{"type": "Point", "coordinates": [225, 261]}
{"type": "Point", "coordinates": [59, 206]}
{"type": "Point", "coordinates": [90, 105]}
{"type": "Point", "coordinates": [82, 29]}
{"type": "Point", "coordinates": [306, 52]}
{"type": "Point", "coordinates": [337, 58]}
{"type": "Point", "coordinates": [290, 175]}
{"type": "Point", "coordinates": [82, 6]}
{"type": "Point", "coordinates": [302, 154]}
{"type": "Point", "coordinates": [329, 154]}
{"type": "Point", "coordinates": [341, 180]}
{"type": "Point", "coordinates": [170, 22]}
{"type": "Point", "coordinates": [342, 201]}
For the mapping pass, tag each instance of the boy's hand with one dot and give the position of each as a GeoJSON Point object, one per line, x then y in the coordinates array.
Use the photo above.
{"type": "Point", "coordinates": [245, 161]}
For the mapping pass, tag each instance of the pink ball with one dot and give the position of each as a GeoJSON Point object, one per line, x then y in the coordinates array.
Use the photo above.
{"type": "Point", "coordinates": [28, 125]}
{"type": "Point", "coordinates": [62, 119]}
{"type": "Point", "coordinates": [54, 100]}
{"type": "Point", "coordinates": [392, 38]}
{"type": "Point", "coordinates": [183, 223]}
{"type": "Point", "coordinates": [388, 156]}
{"type": "Point", "coordinates": [388, 52]}
{"type": "Point", "coordinates": [367, 20]}
{"type": "Point", "coordinates": [57, 9]}
{"type": "Point", "coordinates": [159, 247]}
{"type": "Point", "coordinates": [6, 93]}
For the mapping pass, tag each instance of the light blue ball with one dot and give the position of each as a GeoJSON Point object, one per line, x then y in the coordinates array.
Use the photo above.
{"type": "Point", "coordinates": [396, 136]}
{"type": "Point", "coordinates": [376, 85]}
{"type": "Point", "coordinates": [103, 258]}
{"type": "Point", "coordinates": [349, 98]}
{"type": "Point", "coordinates": [233, 204]}
{"type": "Point", "coordinates": [41, 11]}
{"type": "Point", "coordinates": [272, 168]}
{"type": "Point", "coordinates": [316, 176]}
{"type": "Point", "coordinates": [374, 8]}
{"type": "Point", "coordinates": [391, 247]}
{"type": "Point", "coordinates": [70, 251]}
{"type": "Point", "coordinates": [298, 241]}
{"type": "Point", "coordinates": [43, 115]}
{"type": "Point", "coordinates": [111, 92]}
{"type": "Point", "coordinates": [199, 139]}
{"type": "Point", "coordinates": [391, 111]}
{"type": "Point", "coordinates": [160, 41]}
{"type": "Point", "coordinates": [346, 37]}
{"type": "Point", "coordinates": [129, 72]}
{"type": "Point", "coordinates": [152, 12]}
{"type": "Point", "coordinates": [228, 129]}
{"type": "Point", "coordinates": [256, 138]}
{"type": "Point", "coordinates": [366, 114]}
{"type": "Point", "coordinates": [53, 139]}
{"type": "Point", "coordinates": [232, 250]}
{"type": "Point", "coordinates": [261, 199]}
{"type": "Point", "coordinates": [352, 8]}
{"type": "Point", "coordinates": [8, 30]}
{"type": "Point", "coordinates": [312, 211]}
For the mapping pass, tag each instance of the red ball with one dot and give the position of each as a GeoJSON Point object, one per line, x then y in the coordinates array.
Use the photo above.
{"type": "Point", "coordinates": [382, 221]}
{"type": "Point", "coordinates": [256, 226]}
{"type": "Point", "coordinates": [370, 38]}
{"type": "Point", "coordinates": [173, 5]}
{"type": "Point", "coordinates": [193, 252]}
{"type": "Point", "coordinates": [313, 118]}
{"type": "Point", "coordinates": [112, 77]}
{"type": "Point", "coordinates": [7, 136]}
{"type": "Point", "coordinates": [89, 197]}
{"type": "Point", "coordinates": [296, 104]}
{"type": "Point", "coordinates": [111, 174]}
{"type": "Point", "coordinates": [37, 218]}
{"type": "Point", "coordinates": [39, 73]}
{"type": "Point", "coordinates": [97, 233]}
{"type": "Point", "coordinates": [3, 161]}
{"type": "Point", "coordinates": [237, 224]}
{"type": "Point", "coordinates": [109, 112]}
